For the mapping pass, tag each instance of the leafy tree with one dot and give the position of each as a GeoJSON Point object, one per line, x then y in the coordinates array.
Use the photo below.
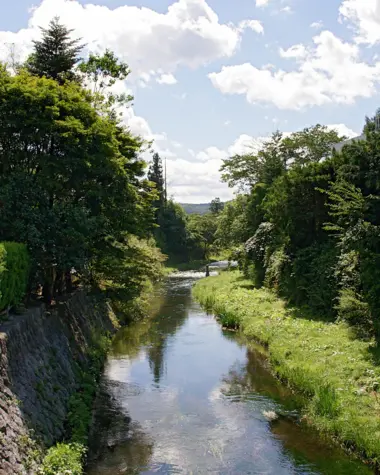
{"type": "Point", "coordinates": [310, 145]}
{"type": "Point", "coordinates": [263, 165]}
{"type": "Point", "coordinates": [56, 54]}
{"type": "Point", "coordinates": [203, 229]}
{"type": "Point", "coordinates": [216, 206]}
{"type": "Point", "coordinates": [101, 72]}
{"type": "Point", "coordinates": [173, 235]}
{"type": "Point", "coordinates": [69, 177]}
{"type": "Point", "coordinates": [232, 223]}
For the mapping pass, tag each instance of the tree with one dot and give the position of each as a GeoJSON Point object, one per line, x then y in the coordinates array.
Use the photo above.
{"type": "Point", "coordinates": [310, 145]}
{"type": "Point", "coordinates": [172, 235]}
{"type": "Point", "coordinates": [216, 206]}
{"type": "Point", "coordinates": [101, 72]}
{"type": "Point", "coordinates": [232, 223]}
{"type": "Point", "coordinates": [203, 229]}
{"type": "Point", "coordinates": [71, 181]}
{"type": "Point", "coordinates": [264, 165]}
{"type": "Point", "coordinates": [56, 54]}
{"type": "Point", "coordinates": [156, 176]}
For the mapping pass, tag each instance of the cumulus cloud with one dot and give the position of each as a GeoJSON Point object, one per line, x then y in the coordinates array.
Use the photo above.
{"type": "Point", "coordinates": [365, 17]}
{"type": "Point", "coordinates": [330, 72]}
{"type": "Point", "coordinates": [154, 44]}
{"type": "Point", "coordinates": [343, 130]}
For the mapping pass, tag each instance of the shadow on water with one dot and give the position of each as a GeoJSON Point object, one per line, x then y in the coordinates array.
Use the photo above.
{"type": "Point", "coordinates": [179, 395]}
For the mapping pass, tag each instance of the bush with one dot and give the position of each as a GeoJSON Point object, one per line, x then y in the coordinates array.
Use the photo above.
{"type": "Point", "coordinates": [14, 273]}
{"type": "Point", "coordinates": [64, 459]}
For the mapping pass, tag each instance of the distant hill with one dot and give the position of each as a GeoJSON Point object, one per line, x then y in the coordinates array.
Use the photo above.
{"type": "Point", "coordinates": [192, 208]}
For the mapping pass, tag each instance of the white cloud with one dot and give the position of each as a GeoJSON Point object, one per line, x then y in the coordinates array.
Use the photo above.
{"type": "Point", "coordinates": [196, 182]}
{"type": "Point", "coordinates": [365, 16]}
{"type": "Point", "coordinates": [331, 72]}
{"type": "Point", "coordinates": [262, 3]}
{"type": "Point", "coordinates": [317, 25]}
{"type": "Point", "coordinates": [167, 79]}
{"type": "Point", "coordinates": [254, 25]}
{"type": "Point", "coordinates": [343, 130]}
{"type": "Point", "coordinates": [211, 153]}
{"type": "Point", "coordinates": [189, 34]}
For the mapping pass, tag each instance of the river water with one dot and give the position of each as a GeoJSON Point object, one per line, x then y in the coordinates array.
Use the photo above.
{"type": "Point", "coordinates": [181, 396]}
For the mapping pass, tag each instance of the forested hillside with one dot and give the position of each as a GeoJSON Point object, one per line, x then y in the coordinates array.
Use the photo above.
{"type": "Point", "coordinates": [195, 208]}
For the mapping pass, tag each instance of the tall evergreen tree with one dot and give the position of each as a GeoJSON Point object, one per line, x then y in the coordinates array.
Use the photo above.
{"type": "Point", "coordinates": [56, 54]}
{"type": "Point", "coordinates": [156, 175]}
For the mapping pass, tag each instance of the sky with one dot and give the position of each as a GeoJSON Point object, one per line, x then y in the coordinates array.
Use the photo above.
{"type": "Point", "coordinates": [212, 77]}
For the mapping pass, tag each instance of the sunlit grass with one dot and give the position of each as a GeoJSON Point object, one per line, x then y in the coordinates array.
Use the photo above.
{"type": "Point", "coordinates": [337, 372]}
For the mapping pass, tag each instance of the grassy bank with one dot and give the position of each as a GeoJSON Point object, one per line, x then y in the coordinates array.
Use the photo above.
{"type": "Point", "coordinates": [324, 360]}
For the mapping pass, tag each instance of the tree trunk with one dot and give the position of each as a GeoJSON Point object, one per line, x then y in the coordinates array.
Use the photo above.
{"type": "Point", "coordinates": [48, 287]}
{"type": "Point", "coordinates": [47, 293]}
{"type": "Point", "coordinates": [59, 286]}
{"type": "Point", "coordinates": [69, 282]}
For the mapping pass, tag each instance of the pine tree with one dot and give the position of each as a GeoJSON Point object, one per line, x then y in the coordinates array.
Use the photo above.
{"type": "Point", "coordinates": [56, 54]}
{"type": "Point", "coordinates": [156, 175]}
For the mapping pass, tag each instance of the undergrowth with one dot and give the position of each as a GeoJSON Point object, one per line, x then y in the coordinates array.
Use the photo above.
{"type": "Point", "coordinates": [324, 360]}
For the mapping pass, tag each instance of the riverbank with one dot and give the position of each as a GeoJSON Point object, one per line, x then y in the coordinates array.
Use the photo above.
{"type": "Point", "coordinates": [337, 372]}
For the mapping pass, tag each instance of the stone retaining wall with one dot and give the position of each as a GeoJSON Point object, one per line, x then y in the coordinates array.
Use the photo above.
{"type": "Point", "coordinates": [40, 353]}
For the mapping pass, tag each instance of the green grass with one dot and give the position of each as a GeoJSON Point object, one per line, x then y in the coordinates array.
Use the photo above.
{"type": "Point", "coordinates": [323, 360]}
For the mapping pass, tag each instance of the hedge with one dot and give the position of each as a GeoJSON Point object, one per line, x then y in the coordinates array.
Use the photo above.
{"type": "Point", "coordinates": [14, 273]}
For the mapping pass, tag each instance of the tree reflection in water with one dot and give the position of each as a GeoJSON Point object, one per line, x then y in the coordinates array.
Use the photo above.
{"type": "Point", "coordinates": [117, 444]}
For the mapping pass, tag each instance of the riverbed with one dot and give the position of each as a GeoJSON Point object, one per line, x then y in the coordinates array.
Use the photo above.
{"type": "Point", "coordinates": [181, 396]}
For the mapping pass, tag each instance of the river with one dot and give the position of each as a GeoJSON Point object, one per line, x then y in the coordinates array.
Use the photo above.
{"type": "Point", "coordinates": [181, 396]}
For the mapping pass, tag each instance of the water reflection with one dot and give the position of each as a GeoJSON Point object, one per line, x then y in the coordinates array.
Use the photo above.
{"type": "Point", "coordinates": [179, 395]}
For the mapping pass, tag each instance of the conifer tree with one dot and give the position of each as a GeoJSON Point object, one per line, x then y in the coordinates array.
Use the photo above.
{"type": "Point", "coordinates": [156, 175]}
{"type": "Point", "coordinates": [56, 54]}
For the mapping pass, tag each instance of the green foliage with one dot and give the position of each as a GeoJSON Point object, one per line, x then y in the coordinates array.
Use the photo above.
{"type": "Point", "coordinates": [14, 273]}
{"type": "Point", "coordinates": [216, 206]}
{"type": "Point", "coordinates": [66, 189]}
{"type": "Point", "coordinates": [156, 176]}
{"type": "Point", "coordinates": [63, 459]}
{"type": "Point", "coordinates": [310, 223]}
{"type": "Point", "coordinates": [173, 235]}
{"type": "Point", "coordinates": [56, 54]}
{"type": "Point", "coordinates": [232, 223]}
{"type": "Point", "coordinates": [203, 229]}
{"type": "Point", "coordinates": [127, 264]}
{"type": "Point", "coordinates": [263, 165]}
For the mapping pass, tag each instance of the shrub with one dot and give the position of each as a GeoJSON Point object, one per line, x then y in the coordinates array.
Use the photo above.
{"type": "Point", "coordinates": [14, 273]}
{"type": "Point", "coordinates": [64, 459]}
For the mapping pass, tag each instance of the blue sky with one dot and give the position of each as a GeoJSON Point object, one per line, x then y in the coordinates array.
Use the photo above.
{"type": "Point", "coordinates": [209, 77]}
